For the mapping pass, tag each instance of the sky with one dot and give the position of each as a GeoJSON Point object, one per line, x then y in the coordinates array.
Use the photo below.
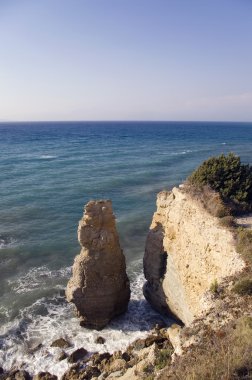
{"type": "Point", "coordinates": [126, 60]}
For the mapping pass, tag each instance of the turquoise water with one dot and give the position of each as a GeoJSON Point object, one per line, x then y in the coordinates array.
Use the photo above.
{"type": "Point", "coordinates": [48, 172]}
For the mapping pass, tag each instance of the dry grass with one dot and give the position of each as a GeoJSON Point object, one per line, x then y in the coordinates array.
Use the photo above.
{"type": "Point", "coordinates": [210, 200]}
{"type": "Point", "coordinates": [224, 355]}
{"type": "Point", "coordinates": [244, 244]}
{"type": "Point", "coordinates": [243, 286]}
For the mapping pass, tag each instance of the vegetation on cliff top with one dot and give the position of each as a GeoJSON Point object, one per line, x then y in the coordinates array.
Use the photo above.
{"type": "Point", "coordinates": [226, 175]}
{"type": "Point", "coordinates": [223, 354]}
{"type": "Point", "coordinates": [224, 186]}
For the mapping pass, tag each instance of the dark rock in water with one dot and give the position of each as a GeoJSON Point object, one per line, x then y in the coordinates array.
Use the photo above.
{"type": "Point", "coordinates": [99, 286]}
{"type": "Point", "coordinates": [100, 340]}
{"type": "Point", "coordinates": [77, 355]}
{"type": "Point", "coordinates": [44, 376]}
{"type": "Point", "coordinates": [35, 348]}
{"type": "Point", "coordinates": [15, 375]}
{"type": "Point", "coordinates": [1, 370]}
{"type": "Point", "coordinates": [61, 343]}
{"type": "Point", "coordinates": [22, 375]}
{"type": "Point", "coordinates": [63, 355]}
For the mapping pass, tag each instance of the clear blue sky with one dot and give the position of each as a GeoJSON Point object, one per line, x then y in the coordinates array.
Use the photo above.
{"type": "Point", "coordinates": [126, 60]}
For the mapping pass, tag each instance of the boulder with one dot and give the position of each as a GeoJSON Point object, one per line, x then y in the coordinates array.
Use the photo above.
{"type": "Point", "coordinates": [15, 374]}
{"type": "Point", "coordinates": [100, 340]}
{"type": "Point", "coordinates": [44, 376]}
{"type": "Point", "coordinates": [99, 286]}
{"type": "Point", "coordinates": [77, 355]}
{"type": "Point", "coordinates": [62, 356]}
{"type": "Point", "coordinates": [61, 343]}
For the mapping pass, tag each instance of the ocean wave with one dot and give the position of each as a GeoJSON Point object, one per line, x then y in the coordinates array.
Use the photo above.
{"type": "Point", "coordinates": [183, 152]}
{"type": "Point", "coordinates": [27, 341]}
{"type": "Point", "coordinates": [38, 277]}
{"type": "Point", "coordinates": [7, 242]}
{"type": "Point", "coordinates": [47, 157]}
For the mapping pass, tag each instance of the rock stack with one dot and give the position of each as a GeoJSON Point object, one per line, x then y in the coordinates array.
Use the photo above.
{"type": "Point", "coordinates": [99, 286]}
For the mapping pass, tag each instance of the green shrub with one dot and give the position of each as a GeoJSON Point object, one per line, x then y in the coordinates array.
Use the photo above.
{"type": "Point", "coordinates": [214, 286]}
{"type": "Point", "coordinates": [164, 356]}
{"type": "Point", "coordinates": [243, 287]}
{"type": "Point", "coordinates": [228, 176]}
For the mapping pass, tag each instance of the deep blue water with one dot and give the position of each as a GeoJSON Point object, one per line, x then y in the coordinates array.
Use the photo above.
{"type": "Point", "coordinates": [48, 171]}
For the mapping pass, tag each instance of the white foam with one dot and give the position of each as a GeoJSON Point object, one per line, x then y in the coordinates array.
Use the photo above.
{"type": "Point", "coordinates": [26, 342]}
{"type": "Point", "coordinates": [35, 278]}
{"type": "Point", "coordinates": [47, 157]}
{"type": "Point", "coordinates": [7, 243]}
{"type": "Point", "coordinates": [182, 152]}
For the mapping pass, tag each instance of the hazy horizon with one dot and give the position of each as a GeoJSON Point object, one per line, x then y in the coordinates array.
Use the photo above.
{"type": "Point", "coordinates": [125, 121]}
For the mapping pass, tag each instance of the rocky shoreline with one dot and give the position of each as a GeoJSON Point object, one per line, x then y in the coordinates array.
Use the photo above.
{"type": "Point", "coordinates": [142, 356]}
{"type": "Point", "coordinates": [191, 264]}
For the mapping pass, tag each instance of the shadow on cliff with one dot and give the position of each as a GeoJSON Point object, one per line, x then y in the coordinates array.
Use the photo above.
{"type": "Point", "coordinates": [140, 316]}
{"type": "Point", "coordinates": [155, 268]}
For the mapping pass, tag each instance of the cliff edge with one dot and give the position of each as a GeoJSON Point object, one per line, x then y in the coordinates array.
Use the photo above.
{"type": "Point", "coordinates": [186, 251]}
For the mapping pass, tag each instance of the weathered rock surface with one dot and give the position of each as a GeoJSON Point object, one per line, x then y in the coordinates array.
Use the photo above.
{"type": "Point", "coordinates": [99, 286]}
{"type": "Point", "coordinates": [44, 376]}
{"type": "Point", "coordinates": [61, 343]}
{"type": "Point", "coordinates": [186, 251]}
{"type": "Point", "coordinates": [77, 355]}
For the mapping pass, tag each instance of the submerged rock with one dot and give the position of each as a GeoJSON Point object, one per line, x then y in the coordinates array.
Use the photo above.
{"type": "Point", "coordinates": [99, 286]}
{"type": "Point", "coordinates": [100, 340]}
{"type": "Point", "coordinates": [61, 343]}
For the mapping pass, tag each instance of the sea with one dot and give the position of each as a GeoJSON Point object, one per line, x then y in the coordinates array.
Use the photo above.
{"type": "Point", "coordinates": [48, 172]}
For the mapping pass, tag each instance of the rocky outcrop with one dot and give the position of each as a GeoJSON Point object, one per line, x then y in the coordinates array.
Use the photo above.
{"type": "Point", "coordinates": [186, 251]}
{"type": "Point", "coordinates": [99, 286]}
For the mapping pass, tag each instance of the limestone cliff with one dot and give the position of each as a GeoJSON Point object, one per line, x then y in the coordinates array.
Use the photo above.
{"type": "Point", "coordinates": [186, 251]}
{"type": "Point", "coordinates": [99, 286]}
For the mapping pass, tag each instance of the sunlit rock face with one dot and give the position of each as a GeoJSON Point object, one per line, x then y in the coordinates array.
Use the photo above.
{"type": "Point", "coordinates": [186, 250]}
{"type": "Point", "coordinates": [99, 286]}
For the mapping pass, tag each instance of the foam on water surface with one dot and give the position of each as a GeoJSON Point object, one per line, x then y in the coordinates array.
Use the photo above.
{"type": "Point", "coordinates": [47, 157]}
{"type": "Point", "coordinates": [7, 242]}
{"type": "Point", "coordinates": [36, 278]}
{"type": "Point", "coordinates": [26, 342]}
{"type": "Point", "coordinates": [48, 171]}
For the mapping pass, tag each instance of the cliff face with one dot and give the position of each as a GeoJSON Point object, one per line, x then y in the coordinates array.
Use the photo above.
{"type": "Point", "coordinates": [99, 287]}
{"type": "Point", "coordinates": [186, 251]}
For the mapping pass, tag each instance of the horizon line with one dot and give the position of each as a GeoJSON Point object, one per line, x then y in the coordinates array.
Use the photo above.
{"type": "Point", "coordinates": [123, 121]}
